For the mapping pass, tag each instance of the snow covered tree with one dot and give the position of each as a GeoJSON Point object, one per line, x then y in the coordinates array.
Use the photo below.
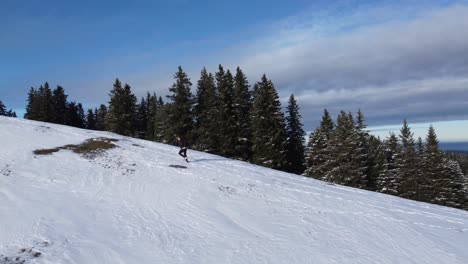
{"type": "Point", "coordinates": [268, 126]}
{"type": "Point", "coordinates": [346, 160]}
{"type": "Point", "coordinates": [408, 164]}
{"type": "Point", "coordinates": [180, 110]}
{"type": "Point", "coordinates": [389, 178]}
{"type": "Point", "coordinates": [317, 154]}
{"type": "Point", "coordinates": [295, 138]}
{"type": "Point", "coordinates": [121, 112]}
{"type": "Point", "coordinates": [242, 106]}
{"type": "Point", "coordinates": [376, 161]}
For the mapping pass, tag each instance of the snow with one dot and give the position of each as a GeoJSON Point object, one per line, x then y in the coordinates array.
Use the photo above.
{"type": "Point", "coordinates": [129, 205]}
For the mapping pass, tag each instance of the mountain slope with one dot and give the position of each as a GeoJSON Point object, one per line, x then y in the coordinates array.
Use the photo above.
{"type": "Point", "coordinates": [137, 204]}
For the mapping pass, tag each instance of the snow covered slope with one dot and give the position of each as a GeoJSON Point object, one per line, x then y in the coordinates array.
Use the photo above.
{"type": "Point", "coordinates": [136, 204]}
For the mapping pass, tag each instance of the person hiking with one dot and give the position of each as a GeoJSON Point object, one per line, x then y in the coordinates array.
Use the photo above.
{"type": "Point", "coordinates": [183, 147]}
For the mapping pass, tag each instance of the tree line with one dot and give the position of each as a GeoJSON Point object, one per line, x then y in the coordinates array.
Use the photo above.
{"type": "Point", "coordinates": [5, 112]}
{"type": "Point", "coordinates": [228, 117]}
{"type": "Point", "coordinates": [344, 153]}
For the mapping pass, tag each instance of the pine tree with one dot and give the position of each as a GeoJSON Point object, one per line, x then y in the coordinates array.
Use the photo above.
{"type": "Point", "coordinates": [408, 164]}
{"type": "Point", "coordinates": [121, 112]}
{"type": "Point", "coordinates": [141, 119]}
{"type": "Point", "coordinates": [33, 105]}
{"type": "Point", "coordinates": [362, 157]}
{"type": "Point", "coordinates": [242, 106]}
{"type": "Point", "coordinates": [75, 115]}
{"type": "Point", "coordinates": [376, 161]}
{"type": "Point", "coordinates": [162, 129]}
{"type": "Point", "coordinates": [101, 117]}
{"type": "Point", "coordinates": [152, 107]}
{"type": "Point", "coordinates": [90, 120]}
{"type": "Point", "coordinates": [317, 154]}
{"type": "Point", "coordinates": [3, 111]}
{"type": "Point", "coordinates": [227, 117]}
{"type": "Point", "coordinates": [45, 108]}
{"type": "Point", "coordinates": [59, 105]}
{"type": "Point", "coordinates": [180, 110]}
{"type": "Point", "coordinates": [295, 138]}
{"type": "Point", "coordinates": [346, 162]}
{"type": "Point", "coordinates": [206, 114]}
{"type": "Point", "coordinates": [389, 178]}
{"type": "Point", "coordinates": [268, 126]}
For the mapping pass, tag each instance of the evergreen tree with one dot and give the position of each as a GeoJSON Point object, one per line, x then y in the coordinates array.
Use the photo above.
{"type": "Point", "coordinates": [121, 112]}
{"type": "Point", "coordinates": [227, 121]}
{"type": "Point", "coordinates": [364, 160]}
{"type": "Point", "coordinates": [75, 115]}
{"type": "Point", "coordinates": [45, 108]}
{"type": "Point", "coordinates": [376, 161]}
{"type": "Point", "coordinates": [152, 107]}
{"type": "Point", "coordinates": [101, 118]}
{"type": "Point", "coordinates": [242, 106]}
{"type": "Point", "coordinates": [206, 114]}
{"type": "Point", "coordinates": [59, 105]}
{"type": "Point", "coordinates": [295, 138]}
{"type": "Point", "coordinates": [3, 111]}
{"type": "Point", "coordinates": [389, 179]}
{"type": "Point", "coordinates": [162, 129]}
{"type": "Point", "coordinates": [268, 126]}
{"type": "Point", "coordinates": [346, 162]}
{"type": "Point", "coordinates": [317, 154]}
{"type": "Point", "coordinates": [90, 120]}
{"type": "Point", "coordinates": [32, 108]}
{"type": "Point", "coordinates": [141, 119]}
{"type": "Point", "coordinates": [408, 164]}
{"type": "Point", "coordinates": [180, 110]}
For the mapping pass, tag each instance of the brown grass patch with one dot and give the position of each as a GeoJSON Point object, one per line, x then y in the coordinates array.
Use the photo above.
{"type": "Point", "coordinates": [90, 146]}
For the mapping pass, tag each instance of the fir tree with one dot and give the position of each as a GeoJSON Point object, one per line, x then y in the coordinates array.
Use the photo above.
{"type": "Point", "coordinates": [3, 111]}
{"type": "Point", "coordinates": [90, 120]}
{"type": "Point", "coordinates": [408, 164]}
{"type": "Point", "coordinates": [75, 115]}
{"type": "Point", "coordinates": [152, 107]}
{"type": "Point", "coordinates": [206, 114]}
{"type": "Point", "coordinates": [242, 106]}
{"type": "Point", "coordinates": [317, 154]}
{"type": "Point", "coordinates": [59, 105]}
{"type": "Point", "coordinates": [121, 112]}
{"type": "Point", "coordinates": [227, 120]}
{"type": "Point", "coordinates": [389, 178]}
{"type": "Point", "coordinates": [180, 110]}
{"type": "Point", "coordinates": [141, 119]}
{"type": "Point", "coordinates": [268, 126]}
{"type": "Point", "coordinates": [295, 138]}
{"type": "Point", "coordinates": [376, 161]}
{"type": "Point", "coordinates": [45, 108]}
{"type": "Point", "coordinates": [101, 117]}
{"type": "Point", "coordinates": [32, 108]}
{"type": "Point", "coordinates": [162, 129]}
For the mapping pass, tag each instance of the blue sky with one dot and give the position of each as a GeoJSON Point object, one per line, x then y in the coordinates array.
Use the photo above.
{"type": "Point", "coordinates": [392, 59]}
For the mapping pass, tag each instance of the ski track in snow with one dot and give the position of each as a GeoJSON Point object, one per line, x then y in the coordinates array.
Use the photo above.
{"type": "Point", "coordinates": [127, 205]}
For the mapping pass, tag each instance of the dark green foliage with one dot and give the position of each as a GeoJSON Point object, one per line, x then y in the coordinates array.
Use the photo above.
{"type": "Point", "coordinates": [376, 161]}
{"type": "Point", "coordinates": [227, 119]}
{"type": "Point", "coordinates": [206, 114]}
{"type": "Point", "coordinates": [141, 119]}
{"type": "Point", "coordinates": [180, 110]}
{"type": "Point", "coordinates": [318, 150]}
{"type": "Point", "coordinates": [408, 164]}
{"type": "Point", "coordinates": [75, 115]}
{"type": "Point", "coordinates": [346, 164]}
{"type": "Point", "coordinates": [101, 117]}
{"type": "Point", "coordinates": [121, 112]}
{"type": "Point", "coordinates": [40, 104]}
{"type": "Point", "coordinates": [152, 107]}
{"type": "Point", "coordinates": [4, 112]}
{"type": "Point", "coordinates": [389, 178]}
{"type": "Point", "coordinates": [90, 120]}
{"type": "Point", "coordinates": [59, 105]}
{"type": "Point", "coordinates": [268, 127]}
{"type": "Point", "coordinates": [242, 106]}
{"type": "Point", "coordinates": [295, 138]}
{"type": "Point", "coordinates": [162, 125]}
